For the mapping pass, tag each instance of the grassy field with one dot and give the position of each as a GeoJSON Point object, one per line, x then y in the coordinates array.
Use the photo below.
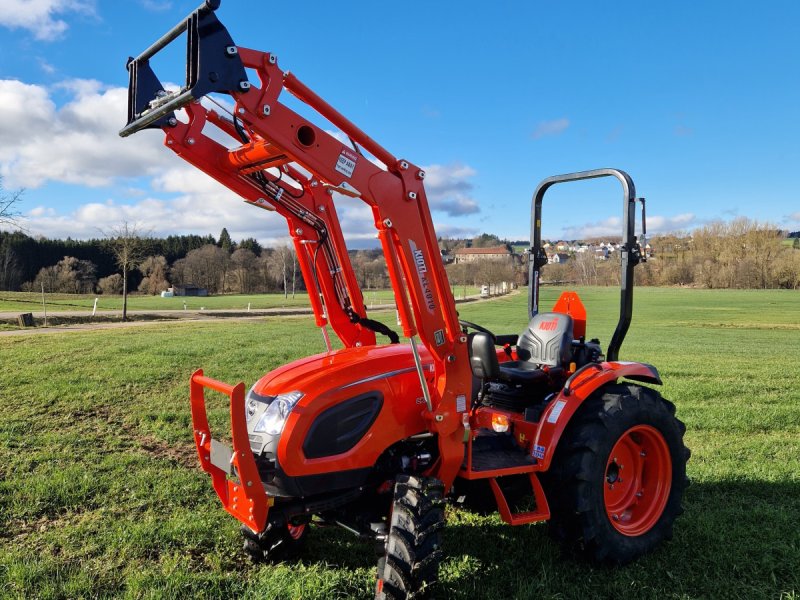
{"type": "Point", "coordinates": [100, 495]}
{"type": "Point", "coordinates": [32, 302]}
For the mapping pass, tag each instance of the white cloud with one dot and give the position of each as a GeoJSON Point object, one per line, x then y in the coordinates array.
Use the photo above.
{"type": "Point", "coordinates": [793, 218]}
{"type": "Point", "coordinates": [448, 186]}
{"type": "Point", "coordinates": [76, 143]}
{"type": "Point", "coordinates": [449, 189]}
{"type": "Point", "coordinates": [42, 17]}
{"type": "Point", "coordinates": [659, 224]}
{"type": "Point", "coordinates": [202, 206]}
{"type": "Point", "coordinates": [156, 5]}
{"type": "Point", "coordinates": [446, 230]}
{"type": "Point", "coordinates": [46, 66]}
{"type": "Point", "coordinates": [613, 226]}
{"type": "Point", "coordinates": [554, 127]}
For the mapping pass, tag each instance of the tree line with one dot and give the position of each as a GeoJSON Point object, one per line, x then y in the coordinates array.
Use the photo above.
{"type": "Point", "coordinates": [737, 254]}
{"type": "Point", "coordinates": [742, 253]}
{"type": "Point", "coordinates": [152, 265]}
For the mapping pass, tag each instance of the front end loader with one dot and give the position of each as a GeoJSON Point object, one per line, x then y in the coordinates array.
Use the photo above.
{"type": "Point", "coordinates": [378, 437]}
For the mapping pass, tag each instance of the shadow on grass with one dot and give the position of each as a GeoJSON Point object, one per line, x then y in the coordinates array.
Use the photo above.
{"type": "Point", "coordinates": [737, 539]}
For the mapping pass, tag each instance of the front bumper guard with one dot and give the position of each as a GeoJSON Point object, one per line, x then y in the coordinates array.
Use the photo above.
{"type": "Point", "coordinates": [234, 474]}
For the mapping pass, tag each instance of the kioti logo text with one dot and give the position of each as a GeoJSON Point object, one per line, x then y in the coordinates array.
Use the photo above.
{"type": "Point", "coordinates": [548, 325]}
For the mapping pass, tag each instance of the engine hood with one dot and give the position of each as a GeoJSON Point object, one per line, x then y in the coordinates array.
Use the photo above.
{"type": "Point", "coordinates": [338, 369]}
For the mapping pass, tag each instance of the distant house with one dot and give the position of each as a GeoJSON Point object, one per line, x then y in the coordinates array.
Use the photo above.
{"type": "Point", "coordinates": [469, 255]}
{"type": "Point", "coordinates": [559, 258]}
{"type": "Point", "coordinates": [189, 290]}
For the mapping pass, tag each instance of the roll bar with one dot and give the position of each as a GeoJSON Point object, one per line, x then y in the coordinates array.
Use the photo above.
{"type": "Point", "coordinates": [630, 251]}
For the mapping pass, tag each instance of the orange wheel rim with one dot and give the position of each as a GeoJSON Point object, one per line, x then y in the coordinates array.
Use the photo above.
{"type": "Point", "coordinates": [295, 531]}
{"type": "Point", "coordinates": [637, 480]}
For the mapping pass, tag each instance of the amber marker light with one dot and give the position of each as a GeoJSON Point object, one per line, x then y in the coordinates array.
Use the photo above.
{"type": "Point", "coordinates": [500, 423]}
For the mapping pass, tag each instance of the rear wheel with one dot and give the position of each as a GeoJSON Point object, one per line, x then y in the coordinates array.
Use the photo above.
{"type": "Point", "coordinates": [278, 542]}
{"type": "Point", "coordinates": [409, 566]}
{"type": "Point", "coordinates": [618, 476]}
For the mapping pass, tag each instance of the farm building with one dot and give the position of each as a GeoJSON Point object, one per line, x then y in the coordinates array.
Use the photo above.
{"type": "Point", "coordinates": [498, 253]}
{"type": "Point", "coordinates": [190, 290]}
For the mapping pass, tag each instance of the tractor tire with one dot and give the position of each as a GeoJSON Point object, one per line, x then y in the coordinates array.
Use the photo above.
{"type": "Point", "coordinates": [618, 476]}
{"type": "Point", "coordinates": [276, 543]}
{"type": "Point", "coordinates": [409, 566]}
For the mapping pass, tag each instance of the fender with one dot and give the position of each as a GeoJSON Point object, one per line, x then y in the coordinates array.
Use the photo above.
{"type": "Point", "coordinates": [582, 384]}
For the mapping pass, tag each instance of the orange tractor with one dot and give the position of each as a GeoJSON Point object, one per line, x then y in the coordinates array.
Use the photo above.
{"type": "Point", "coordinates": [376, 437]}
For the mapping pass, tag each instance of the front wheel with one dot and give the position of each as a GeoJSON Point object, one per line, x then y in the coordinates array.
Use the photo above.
{"type": "Point", "coordinates": [409, 566]}
{"type": "Point", "coordinates": [279, 542]}
{"type": "Point", "coordinates": [618, 476]}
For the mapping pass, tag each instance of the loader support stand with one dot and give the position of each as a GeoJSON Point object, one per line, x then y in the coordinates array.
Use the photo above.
{"type": "Point", "coordinates": [245, 499]}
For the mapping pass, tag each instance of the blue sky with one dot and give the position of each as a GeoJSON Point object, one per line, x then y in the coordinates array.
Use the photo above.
{"type": "Point", "coordinates": [697, 101]}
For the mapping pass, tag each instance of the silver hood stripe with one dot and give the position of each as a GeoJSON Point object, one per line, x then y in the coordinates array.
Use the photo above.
{"type": "Point", "coordinates": [384, 376]}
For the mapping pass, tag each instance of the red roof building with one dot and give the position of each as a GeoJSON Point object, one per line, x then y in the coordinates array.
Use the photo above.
{"type": "Point", "coordinates": [474, 254]}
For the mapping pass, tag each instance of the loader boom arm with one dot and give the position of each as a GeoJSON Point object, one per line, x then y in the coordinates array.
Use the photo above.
{"type": "Point", "coordinates": [267, 150]}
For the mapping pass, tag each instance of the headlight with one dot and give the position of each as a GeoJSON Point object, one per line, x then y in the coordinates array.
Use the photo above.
{"type": "Point", "coordinates": [251, 405]}
{"type": "Point", "coordinates": [254, 403]}
{"type": "Point", "coordinates": [274, 418]}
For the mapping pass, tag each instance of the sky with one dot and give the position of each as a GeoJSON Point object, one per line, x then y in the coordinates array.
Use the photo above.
{"type": "Point", "coordinates": [698, 101]}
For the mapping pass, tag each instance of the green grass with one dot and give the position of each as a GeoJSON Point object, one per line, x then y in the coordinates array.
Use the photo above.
{"type": "Point", "coordinates": [100, 495]}
{"type": "Point", "coordinates": [32, 302]}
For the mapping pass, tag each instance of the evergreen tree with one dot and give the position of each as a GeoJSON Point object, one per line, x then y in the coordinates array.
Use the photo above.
{"type": "Point", "coordinates": [225, 241]}
{"type": "Point", "coordinates": [252, 245]}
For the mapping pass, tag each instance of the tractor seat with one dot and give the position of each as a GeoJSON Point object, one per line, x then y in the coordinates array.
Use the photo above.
{"type": "Point", "coordinates": [547, 340]}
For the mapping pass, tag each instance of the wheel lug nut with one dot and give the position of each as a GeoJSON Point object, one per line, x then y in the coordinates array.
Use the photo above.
{"type": "Point", "coordinates": [615, 517]}
{"type": "Point", "coordinates": [639, 494]}
{"type": "Point", "coordinates": [642, 453]}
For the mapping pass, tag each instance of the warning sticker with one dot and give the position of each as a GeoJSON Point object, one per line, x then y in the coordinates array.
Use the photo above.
{"type": "Point", "coordinates": [346, 163]}
{"type": "Point", "coordinates": [438, 337]}
{"type": "Point", "coordinates": [461, 403]}
{"type": "Point", "coordinates": [556, 412]}
{"type": "Point", "coordinates": [538, 451]}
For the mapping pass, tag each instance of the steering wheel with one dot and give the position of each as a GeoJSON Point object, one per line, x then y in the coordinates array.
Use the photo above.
{"type": "Point", "coordinates": [469, 325]}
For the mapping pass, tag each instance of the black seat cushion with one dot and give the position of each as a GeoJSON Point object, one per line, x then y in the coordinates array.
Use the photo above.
{"type": "Point", "coordinates": [519, 371]}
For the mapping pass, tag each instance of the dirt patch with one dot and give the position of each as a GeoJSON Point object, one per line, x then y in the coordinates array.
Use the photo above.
{"type": "Point", "coordinates": [19, 529]}
{"type": "Point", "coordinates": [181, 454]}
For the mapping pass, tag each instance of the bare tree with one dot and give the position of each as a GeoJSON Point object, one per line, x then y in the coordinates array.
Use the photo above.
{"type": "Point", "coordinates": [68, 276]}
{"type": "Point", "coordinates": [284, 264]}
{"type": "Point", "coordinates": [585, 267]}
{"type": "Point", "coordinates": [244, 265]}
{"type": "Point", "coordinates": [125, 241]}
{"type": "Point", "coordinates": [8, 201]}
{"type": "Point", "coordinates": [111, 284]}
{"type": "Point", "coordinates": [154, 269]}
{"type": "Point", "coordinates": [205, 266]}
